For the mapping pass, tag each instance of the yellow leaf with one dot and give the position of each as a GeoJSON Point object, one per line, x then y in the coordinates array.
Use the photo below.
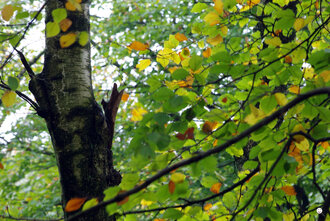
{"type": "Point", "coordinates": [7, 12]}
{"type": "Point", "coordinates": [146, 202]}
{"type": "Point", "coordinates": [171, 43]}
{"type": "Point", "coordinates": [303, 145]}
{"type": "Point", "coordinates": [294, 89]}
{"type": "Point", "coordinates": [298, 128]}
{"type": "Point", "coordinates": [67, 40]}
{"type": "Point", "coordinates": [70, 6]}
{"type": "Point", "coordinates": [180, 37]}
{"type": "Point", "coordinates": [164, 56]}
{"type": "Point", "coordinates": [212, 18]}
{"type": "Point", "coordinates": [255, 115]}
{"type": "Point", "coordinates": [215, 41]}
{"type": "Point", "coordinates": [224, 30]}
{"type": "Point", "coordinates": [207, 53]}
{"type": "Point", "coordinates": [65, 24]}
{"type": "Point", "coordinates": [74, 204]}
{"type": "Point", "coordinates": [289, 190]}
{"type": "Point", "coordinates": [143, 64]}
{"type": "Point", "coordinates": [209, 126]}
{"type": "Point", "coordinates": [139, 46]}
{"type": "Point", "coordinates": [308, 73]}
{"type": "Point", "coordinates": [178, 177]}
{"type": "Point", "coordinates": [274, 41]}
{"type": "Point", "coordinates": [176, 58]}
{"type": "Point", "coordinates": [299, 24]}
{"type": "Point", "coordinates": [280, 99]}
{"type": "Point", "coordinates": [138, 114]}
{"type": "Point", "coordinates": [172, 69]}
{"type": "Point", "coordinates": [218, 6]}
{"type": "Point", "coordinates": [8, 98]}
{"type": "Point", "coordinates": [215, 188]}
{"type": "Point", "coordinates": [124, 97]}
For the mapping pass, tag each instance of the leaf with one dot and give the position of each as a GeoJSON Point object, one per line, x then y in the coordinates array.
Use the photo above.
{"type": "Point", "coordinates": [207, 53]}
{"type": "Point", "coordinates": [199, 7]}
{"type": "Point", "coordinates": [13, 83]}
{"type": "Point", "coordinates": [189, 134]}
{"type": "Point", "coordinates": [294, 89]}
{"type": "Point", "coordinates": [215, 41]}
{"type": "Point", "coordinates": [8, 98]}
{"type": "Point", "coordinates": [195, 62]}
{"type": "Point", "coordinates": [7, 12]}
{"type": "Point", "coordinates": [208, 181]}
{"type": "Point", "coordinates": [59, 14]}
{"type": "Point", "coordinates": [299, 24]}
{"type": "Point", "coordinates": [52, 29]}
{"type": "Point", "coordinates": [125, 200]}
{"type": "Point", "coordinates": [215, 188]}
{"type": "Point", "coordinates": [124, 97]}
{"type": "Point", "coordinates": [143, 64]}
{"type": "Point", "coordinates": [178, 177]}
{"type": "Point", "coordinates": [1, 166]}
{"type": "Point", "coordinates": [138, 46]}
{"type": "Point", "coordinates": [207, 206]}
{"type": "Point", "coordinates": [280, 99]}
{"type": "Point", "coordinates": [218, 6]}
{"type": "Point", "coordinates": [65, 24]}
{"type": "Point", "coordinates": [289, 190]}
{"type": "Point", "coordinates": [83, 38]}
{"type": "Point", "coordinates": [74, 204]}
{"type": "Point", "coordinates": [181, 37]}
{"type": "Point", "coordinates": [209, 126]}
{"type": "Point", "coordinates": [212, 18]}
{"type": "Point", "coordinates": [171, 187]}
{"type": "Point", "coordinates": [73, 5]}
{"type": "Point", "coordinates": [274, 41]}
{"type": "Point", "coordinates": [67, 40]}
{"type": "Point", "coordinates": [138, 114]}
{"type": "Point", "coordinates": [129, 180]}
{"type": "Point", "coordinates": [90, 203]}
{"type": "Point", "coordinates": [288, 59]}
{"type": "Point", "coordinates": [255, 115]}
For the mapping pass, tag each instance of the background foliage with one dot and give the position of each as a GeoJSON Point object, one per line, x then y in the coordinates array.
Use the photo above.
{"type": "Point", "coordinates": [196, 74]}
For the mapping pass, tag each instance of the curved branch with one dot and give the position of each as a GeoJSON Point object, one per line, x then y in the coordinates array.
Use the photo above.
{"type": "Point", "coordinates": [203, 155]}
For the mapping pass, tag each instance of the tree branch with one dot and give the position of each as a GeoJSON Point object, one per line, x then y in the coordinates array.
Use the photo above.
{"type": "Point", "coordinates": [203, 155]}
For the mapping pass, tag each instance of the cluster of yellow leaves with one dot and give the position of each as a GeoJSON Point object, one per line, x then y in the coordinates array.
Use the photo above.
{"type": "Point", "coordinates": [7, 12]}
{"type": "Point", "coordinates": [166, 55]}
{"type": "Point", "coordinates": [137, 114]}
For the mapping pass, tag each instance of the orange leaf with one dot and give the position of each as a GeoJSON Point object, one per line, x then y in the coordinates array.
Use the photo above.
{"type": "Point", "coordinates": [207, 53]}
{"type": "Point", "coordinates": [215, 142]}
{"type": "Point", "coordinates": [218, 6]}
{"type": "Point", "coordinates": [125, 200]}
{"type": "Point", "coordinates": [124, 97]}
{"type": "Point", "coordinates": [289, 190]}
{"type": "Point", "coordinates": [65, 24]}
{"type": "Point", "coordinates": [171, 187]}
{"type": "Point", "coordinates": [139, 46]}
{"type": "Point", "coordinates": [288, 59]}
{"type": "Point", "coordinates": [207, 206]}
{"type": "Point", "coordinates": [294, 89]}
{"type": "Point", "coordinates": [216, 188]}
{"type": "Point", "coordinates": [180, 37]}
{"type": "Point", "coordinates": [325, 144]}
{"type": "Point", "coordinates": [215, 41]}
{"type": "Point", "coordinates": [70, 6]}
{"type": "Point", "coordinates": [74, 204]}
{"type": "Point", "coordinates": [1, 166]}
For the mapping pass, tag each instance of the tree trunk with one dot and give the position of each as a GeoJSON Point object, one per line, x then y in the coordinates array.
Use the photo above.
{"type": "Point", "coordinates": [80, 133]}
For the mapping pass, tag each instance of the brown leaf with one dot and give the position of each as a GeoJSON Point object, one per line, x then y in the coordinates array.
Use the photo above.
{"type": "Point", "coordinates": [125, 200]}
{"type": "Point", "coordinates": [74, 204]}
{"type": "Point", "coordinates": [65, 24]}
{"type": "Point", "coordinates": [171, 187]}
{"type": "Point", "coordinates": [1, 166]}
{"type": "Point", "coordinates": [289, 190]}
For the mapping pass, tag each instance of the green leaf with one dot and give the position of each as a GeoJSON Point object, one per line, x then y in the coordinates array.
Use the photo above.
{"type": "Point", "coordinates": [230, 200]}
{"type": "Point", "coordinates": [59, 14]}
{"type": "Point", "coordinates": [268, 103]}
{"type": "Point", "coordinates": [154, 83]}
{"type": "Point", "coordinates": [162, 94]}
{"type": "Point", "coordinates": [90, 203]}
{"type": "Point", "coordinates": [180, 74]}
{"type": "Point", "coordinates": [161, 118]}
{"type": "Point", "coordinates": [111, 192]}
{"type": "Point", "coordinates": [195, 62]}
{"type": "Point", "coordinates": [13, 83]}
{"type": "Point", "coordinates": [208, 164]}
{"type": "Point", "coordinates": [199, 7]}
{"type": "Point", "coordinates": [208, 181]}
{"type": "Point", "coordinates": [83, 38]}
{"type": "Point", "coordinates": [52, 29]}
{"type": "Point", "coordinates": [250, 165]}
{"type": "Point", "coordinates": [320, 60]}
{"type": "Point", "coordinates": [172, 214]}
{"type": "Point", "coordinates": [129, 180]}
